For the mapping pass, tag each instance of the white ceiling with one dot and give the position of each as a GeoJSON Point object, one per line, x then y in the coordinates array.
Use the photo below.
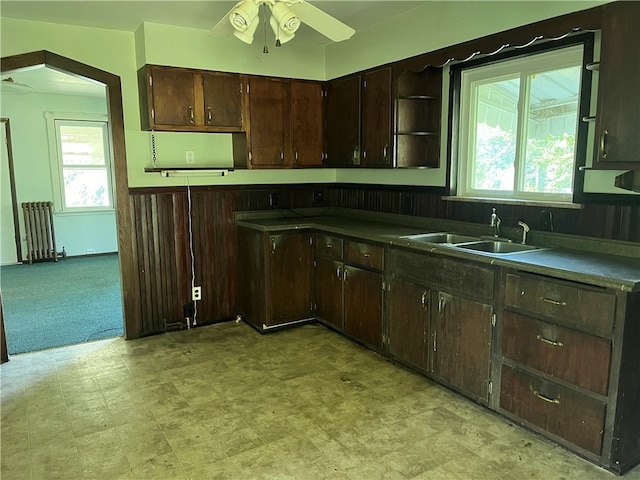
{"type": "Point", "coordinates": [128, 15]}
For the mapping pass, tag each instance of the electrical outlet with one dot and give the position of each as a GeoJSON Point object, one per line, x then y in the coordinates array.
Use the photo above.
{"type": "Point", "coordinates": [196, 293]}
{"type": "Point", "coordinates": [190, 156]}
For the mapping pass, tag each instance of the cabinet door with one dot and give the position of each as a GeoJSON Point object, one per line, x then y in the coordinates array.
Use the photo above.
{"type": "Point", "coordinates": [408, 319]}
{"type": "Point", "coordinates": [343, 122]}
{"type": "Point", "coordinates": [222, 99]}
{"type": "Point", "coordinates": [462, 344]}
{"type": "Point", "coordinates": [328, 289]}
{"type": "Point", "coordinates": [306, 123]}
{"type": "Point", "coordinates": [267, 121]}
{"type": "Point", "coordinates": [376, 118]}
{"type": "Point", "coordinates": [173, 96]}
{"type": "Point", "coordinates": [289, 276]}
{"type": "Point", "coordinates": [618, 110]}
{"type": "Point", "coordinates": [363, 305]}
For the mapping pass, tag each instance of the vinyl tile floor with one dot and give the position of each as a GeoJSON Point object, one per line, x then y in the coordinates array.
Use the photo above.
{"type": "Point", "coordinates": [224, 402]}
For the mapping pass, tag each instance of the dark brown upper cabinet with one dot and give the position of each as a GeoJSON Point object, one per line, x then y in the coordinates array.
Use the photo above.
{"type": "Point", "coordinates": [376, 118]}
{"type": "Point", "coordinates": [285, 124]}
{"type": "Point", "coordinates": [267, 132]}
{"type": "Point", "coordinates": [306, 123]}
{"type": "Point", "coordinates": [618, 110]}
{"type": "Point", "coordinates": [343, 122]}
{"type": "Point", "coordinates": [358, 123]}
{"type": "Point", "coordinates": [181, 99]}
{"type": "Point", "coordinates": [418, 118]}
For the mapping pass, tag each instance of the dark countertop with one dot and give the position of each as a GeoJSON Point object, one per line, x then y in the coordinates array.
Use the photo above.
{"type": "Point", "coordinates": [600, 269]}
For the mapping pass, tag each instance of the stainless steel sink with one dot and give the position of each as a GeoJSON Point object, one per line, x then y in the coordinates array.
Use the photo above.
{"type": "Point", "coordinates": [498, 248]}
{"type": "Point", "coordinates": [451, 238]}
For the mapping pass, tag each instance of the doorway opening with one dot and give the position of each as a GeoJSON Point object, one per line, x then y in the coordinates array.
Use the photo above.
{"type": "Point", "coordinates": [86, 287]}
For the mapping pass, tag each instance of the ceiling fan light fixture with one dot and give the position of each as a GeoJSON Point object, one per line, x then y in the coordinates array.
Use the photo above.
{"type": "Point", "coordinates": [287, 21]}
{"type": "Point", "coordinates": [281, 35]}
{"type": "Point", "coordinates": [247, 35]}
{"type": "Point", "coordinates": [243, 15]}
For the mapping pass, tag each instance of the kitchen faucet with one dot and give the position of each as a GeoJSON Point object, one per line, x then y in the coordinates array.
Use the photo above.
{"type": "Point", "coordinates": [495, 223]}
{"type": "Point", "coordinates": [525, 230]}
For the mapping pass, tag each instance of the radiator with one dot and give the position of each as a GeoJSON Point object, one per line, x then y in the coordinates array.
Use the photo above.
{"type": "Point", "coordinates": [41, 236]}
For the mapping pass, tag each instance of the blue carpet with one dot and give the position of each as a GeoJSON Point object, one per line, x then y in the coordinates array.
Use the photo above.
{"type": "Point", "coordinates": [61, 303]}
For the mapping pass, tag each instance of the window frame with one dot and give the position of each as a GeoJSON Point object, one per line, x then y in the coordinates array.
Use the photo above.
{"type": "Point", "coordinates": [458, 166]}
{"type": "Point", "coordinates": [54, 120]}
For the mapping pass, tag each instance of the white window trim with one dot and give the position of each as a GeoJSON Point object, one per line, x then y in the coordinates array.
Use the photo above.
{"type": "Point", "coordinates": [55, 156]}
{"type": "Point", "coordinates": [535, 63]}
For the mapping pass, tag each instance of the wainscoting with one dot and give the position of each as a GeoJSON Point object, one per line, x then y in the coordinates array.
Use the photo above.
{"type": "Point", "coordinates": [163, 258]}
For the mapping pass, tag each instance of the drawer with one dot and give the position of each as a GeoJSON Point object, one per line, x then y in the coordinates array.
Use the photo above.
{"type": "Point", "coordinates": [364, 255]}
{"type": "Point", "coordinates": [576, 357]}
{"type": "Point", "coordinates": [572, 304]}
{"type": "Point", "coordinates": [461, 277]}
{"type": "Point", "coordinates": [555, 409]}
{"type": "Point", "coordinates": [328, 246]}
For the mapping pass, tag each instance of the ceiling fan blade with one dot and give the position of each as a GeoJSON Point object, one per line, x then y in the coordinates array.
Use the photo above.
{"type": "Point", "coordinates": [223, 27]}
{"type": "Point", "coordinates": [320, 21]}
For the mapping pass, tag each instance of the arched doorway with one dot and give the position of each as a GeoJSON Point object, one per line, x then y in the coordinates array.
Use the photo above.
{"type": "Point", "coordinates": [130, 295]}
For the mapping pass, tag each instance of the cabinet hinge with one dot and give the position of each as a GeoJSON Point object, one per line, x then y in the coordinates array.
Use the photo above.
{"type": "Point", "coordinates": [384, 285]}
{"type": "Point", "coordinates": [241, 88]}
{"type": "Point", "coordinates": [153, 113]}
{"type": "Point", "coordinates": [493, 319]}
{"type": "Point", "coordinates": [490, 387]}
{"type": "Point", "coordinates": [311, 307]}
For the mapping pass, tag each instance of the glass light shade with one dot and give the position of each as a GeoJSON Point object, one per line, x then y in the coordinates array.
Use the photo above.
{"type": "Point", "coordinates": [247, 35]}
{"type": "Point", "coordinates": [243, 15]}
{"type": "Point", "coordinates": [280, 34]}
{"type": "Point", "coordinates": [285, 18]}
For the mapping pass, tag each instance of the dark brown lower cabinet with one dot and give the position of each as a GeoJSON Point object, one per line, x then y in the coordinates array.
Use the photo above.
{"type": "Point", "coordinates": [328, 288]}
{"type": "Point", "coordinates": [556, 409]}
{"type": "Point", "coordinates": [276, 271]}
{"type": "Point", "coordinates": [363, 305]}
{"type": "Point", "coordinates": [408, 337]}
{"type": "Point", "coordinates": [462, 333]}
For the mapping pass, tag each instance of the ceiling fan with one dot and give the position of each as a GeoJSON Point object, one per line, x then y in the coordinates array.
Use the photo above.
{"type": "Point", "coordinates": [285, 19]}
{"type": "Point", "coordinates": [9, 85]}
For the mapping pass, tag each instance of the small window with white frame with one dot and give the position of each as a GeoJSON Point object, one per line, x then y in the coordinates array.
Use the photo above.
{"type": "Point", "coordinates": [519, 125]}
{"type": "Point", "coordinates": [84, 165]}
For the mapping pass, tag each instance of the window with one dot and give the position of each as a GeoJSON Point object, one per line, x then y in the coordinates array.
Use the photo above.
{"type": "Point", "coordinates": [519, 124]}
{"type": "Point", "coordinates": [84, 164]}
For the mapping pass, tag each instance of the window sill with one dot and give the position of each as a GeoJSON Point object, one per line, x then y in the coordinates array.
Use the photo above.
{"type": "Point", "coordinates": [70, 213]}
{"type": "Point", "coordinates": [511, 201]}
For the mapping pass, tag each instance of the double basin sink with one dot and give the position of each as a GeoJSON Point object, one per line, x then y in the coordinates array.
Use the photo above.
{"type": "Point", "coordinates": [465, 242]}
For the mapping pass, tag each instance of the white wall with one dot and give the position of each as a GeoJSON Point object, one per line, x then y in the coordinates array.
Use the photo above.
{"type": "Point", "coordinates": [34, 164]}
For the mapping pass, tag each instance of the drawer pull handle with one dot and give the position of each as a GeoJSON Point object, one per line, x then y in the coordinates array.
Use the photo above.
{"type": "Point", "coordinates": [366, 255]}
{"type": "Point", "coordinates": [328, 245]}
{"type": "Point", "coordinates": [549, 342]}
{"type": "Point", "coordinates": [553, 302]}
{"type": "Point", "coordinates": [546, 399]}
